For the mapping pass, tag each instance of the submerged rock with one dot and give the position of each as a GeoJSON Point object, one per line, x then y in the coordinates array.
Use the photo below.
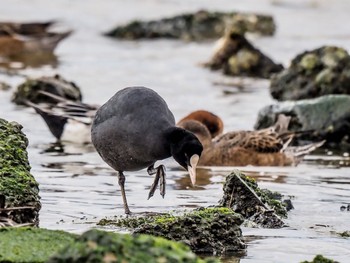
{"type": "Point", "coordinates": [100, 246]}
{"type": "Point", "coordinates": [238, 57]}
{"type": "Point", "coordinates": [323, 118]}
{"type": "Point", "coordinates": [205, 230]}
{"type": "Point", "coordinates": [197, 26]}
{"type": "Point", "coordinates": [314, 73]}
{"type": "Point", "coordinates": [243, 195]}
{"type": "Point", "coordinates": [29, 90]}
{"type": "Point", "coordinates": [19, 192]}
{"type": "Point", "coordinates": [320, 259]}
{"type": "Point", "coordinates": [31, 244]}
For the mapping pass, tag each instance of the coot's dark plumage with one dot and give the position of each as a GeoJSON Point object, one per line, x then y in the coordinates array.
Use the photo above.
{"type": "Point", "coordinates": [134, 129]}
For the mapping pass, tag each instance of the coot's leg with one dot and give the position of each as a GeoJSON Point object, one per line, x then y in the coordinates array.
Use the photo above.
{"type": "Point", "coordinates": [160, 175]}
{"type": "Point", "coordinates": [121, 181]}
{"type": "Point", "coordinates": [161, 172]}
{"type": "Point", "coordinates": [154, 185]}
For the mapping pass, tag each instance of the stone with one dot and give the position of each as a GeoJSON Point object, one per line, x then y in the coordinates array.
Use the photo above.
{"type": "Point", "coordinates": [213, 230]}
{"type": "Point", "coordinates": [322, 71]}
{"type": "Point", "coordinates": [259, 206]}
{"type": "Point", "coordinates": [100, 246]}
{"type": "Point", "coordinates": [324, 118]}
{"type": "Point", "coordinates": [29, 90]}
{"type": "Point", "coordinates": [198, 26]}
{"type": "Point", "coordinates": [19, 191]}
{"type": "Point", "coordinates": [238, 57]}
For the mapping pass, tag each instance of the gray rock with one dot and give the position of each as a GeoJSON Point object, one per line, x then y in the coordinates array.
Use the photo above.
{"type": "Point", "coordinates": [197, 26]}
{"type": "Point", "coordinates": [323, 118]}
{"type": "Point", "coordinates": [29, 90]}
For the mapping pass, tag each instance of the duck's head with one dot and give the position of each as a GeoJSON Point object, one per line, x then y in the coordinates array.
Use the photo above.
{"type": "Point", "coordinates": [186, 150]}
{"type": "Point", "coordinates": [213, 122]}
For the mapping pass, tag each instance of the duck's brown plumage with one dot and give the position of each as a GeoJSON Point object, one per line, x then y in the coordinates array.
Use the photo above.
{"type": "Point", "coordinates": [268, 147]}
{"type": "Point", "coordinates": [31, 28]}
{"type": "Point", "coordinates": [213, 122]}
{"type": "Point", "coordinates": [16, 45]}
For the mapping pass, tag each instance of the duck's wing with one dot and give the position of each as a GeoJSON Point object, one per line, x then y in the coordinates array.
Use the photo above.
{"type": "Point", "coordinates": [57, 113]}
{"type": "Point", "coordinates": [266, 141]}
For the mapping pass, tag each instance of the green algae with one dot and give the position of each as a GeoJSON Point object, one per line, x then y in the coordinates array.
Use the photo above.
{"type": "Point", "coordinates": [205, 230]}
{"type": "Point", "coordinates": [17, 186]}
{"type": "Point", "coordinates": [99, 246]}
{"type": "Point", "coordinates": [31, 244]}
{"type": "Point", "coordinates": [320, 259]}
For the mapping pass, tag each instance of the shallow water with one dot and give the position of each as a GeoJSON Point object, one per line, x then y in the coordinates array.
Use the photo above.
{"type": "Point", "coordinates": [78, 189]}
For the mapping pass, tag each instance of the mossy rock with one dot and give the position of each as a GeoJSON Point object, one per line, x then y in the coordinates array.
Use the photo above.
{"type": "Point", "coordinates": [197, 26]}
{"type": "Point", "coordinates": [260, 206]}
{"type": "Point", "coordinates": [18, 188]}
{"type": "Point", "coordinates": [320, 259]}
{"type": "Point", "coordinates": [205, 230]}
{"type": "Point", "coordinates": [29, 90]}
{"type": "Point", "coordinates": [322, 71]}
{"type": "Point", "coordinates": [31, 244]}
{"type": "Point", "coordinates": [99, 246]}
{"type": "Point", "coordinates": [238, 57]}
{"type": "Point", "coordinates": [324, 118]}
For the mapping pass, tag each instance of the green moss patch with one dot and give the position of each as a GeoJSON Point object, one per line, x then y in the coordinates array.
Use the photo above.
{"type": "Point", "coordinates": [31, 244]}
{"type": "Point", "coordinates": [205, 230]}
{"type": "Point", "coordinates": [99, 246]}
{"type": "Point", "coordinates": [18, 187]}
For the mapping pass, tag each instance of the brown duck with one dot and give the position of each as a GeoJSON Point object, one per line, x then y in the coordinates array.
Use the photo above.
{"type": "Point", "coordinates": [213, 122]}
{"type": "Point", "coordinates": [18, 39]}
{"type": "Point", "coordinates": [268, 147]}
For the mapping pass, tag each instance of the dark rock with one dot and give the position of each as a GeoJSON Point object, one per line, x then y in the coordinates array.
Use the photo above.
{"type": "Point", "coordinates": [314, 73]}
{"type": "Point", "coordinates": [205, 230]}
{"type": "Point", "coordinates": [243, 195]}
{"type": "Point", "coordinates": [99, 246]}
{"type": "Point", "coordinates": [19, 192]}
{"type": "Point", "coordinates": [238, 57]}
{"type": "Point", "coordinates": [321, 259]}
{"type": "Point", "coordinates": [198, 26]}
{"type": "Point", "coordinates": [55, 85]}
{"type": "Point", "coordinates": [323, 118]}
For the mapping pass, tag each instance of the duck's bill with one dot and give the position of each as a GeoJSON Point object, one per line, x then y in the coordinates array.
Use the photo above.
{"type": "Point", "coordinates": [192, 168]}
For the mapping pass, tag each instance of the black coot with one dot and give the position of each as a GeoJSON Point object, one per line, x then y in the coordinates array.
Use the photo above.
{"type": "Point", "coordinates": [134, 129]}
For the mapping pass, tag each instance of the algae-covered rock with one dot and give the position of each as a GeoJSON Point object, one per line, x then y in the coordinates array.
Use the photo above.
{"type": "Point", "coordinates": [19, 192]}
{"type": "Point", "coordinates": [205, 230]}
{"type": "Point", "coordinates": [243, 195]}
{"type": "Point", "coordinates": [238, 57]}
{"type": "Point", "coordinates": [31, 244]}
{"type": "Point", "coordinates": [323, 118]}
{"type": "Point", "coordinates": [197, 26]}
{"type": "Point", "coordinates": [99, 246]}
{"type": "Point", "coordinates": [320, 259]}
{"type": "Point", "coordinates": [314, 73]}
{"type": "Point", "coordinates": [29, 90]}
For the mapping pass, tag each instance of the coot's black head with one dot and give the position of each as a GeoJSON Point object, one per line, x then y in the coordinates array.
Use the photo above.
{"type": "Point", "coordinates": [186, 150]}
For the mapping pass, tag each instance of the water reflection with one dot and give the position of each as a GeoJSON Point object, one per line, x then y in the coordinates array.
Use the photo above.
{"type": "Point", "coordinates": [32, 60]}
